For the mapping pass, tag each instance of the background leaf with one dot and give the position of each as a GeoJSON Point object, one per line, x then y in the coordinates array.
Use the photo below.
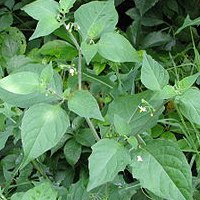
{"type": "Point", "coordinates": [188, 22]}
{"type": "Point", "coordinates": [72, 151]}
{"type": "Point", "coordinates": [153, 75]}
{"type": "Point", "coordinates": [117, 48]}
{"type": "Point", "coordinates": [144, 5]}
{"type": "Point", "coordinates": [107, 159]}
{"type": "Point", "coordinates": [43, 126]}
{"type": "Point", "coordinates": [163, 169]}
{"type": "Point", "coordinates": [96, 18]}
{"type": "Point", "coordinates": [84, 104]}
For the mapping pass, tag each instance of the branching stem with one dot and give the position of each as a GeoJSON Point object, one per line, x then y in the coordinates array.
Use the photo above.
{"type": "Point", "coordinates": [78, 47]}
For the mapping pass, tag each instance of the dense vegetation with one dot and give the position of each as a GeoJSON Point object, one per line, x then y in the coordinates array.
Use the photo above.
{"type": "Point", "coordinates": [99, 100]}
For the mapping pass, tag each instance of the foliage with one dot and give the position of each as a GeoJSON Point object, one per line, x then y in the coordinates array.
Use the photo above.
{"type": "Point", "coordinates": [93, 110]}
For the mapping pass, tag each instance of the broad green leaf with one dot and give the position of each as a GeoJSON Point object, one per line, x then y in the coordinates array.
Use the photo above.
{"type": "Point", "coordinates": [40, 9]}
{"type": "Point", "coordinates": [77, 191]}
{"type": "Point", "coordinates": [14, 43]}
{"type": "Point", "coordinates": [16, 62]}
{"type": "Point", "coordinates": [3, 138]}
{"type": "Point", "coordinates": [154, 39]}
{"type": "Point", "coordinates": [72, 151]}
{"type": "Point", "coordinates": [6, 21]}
{"type": "Point", "coordinates": [45, 26]}
{"type": "Point", "coordinates": [85, 137]}
{"type": "Point", "coordinates": [59, 49]}
{"type": "Point", "coordinates": [189, 105]}
{"type": "Point", "coordinates": [162, 168]}
{"type": "Point", "coordinates": [89, 51]}
{"type": "Point", "coordinates": [153, 75]}
{"type": "Point", "coordinates": [23, 90]}
{"type": "Point", "coordinates": [96, 18]}
{"type": "Point", "coordinates": [166, 93]}
{"type": "Point", "coordinates": [46, 12]}
{"type": "Point", "coordinates": [84, 104]}
{"type": "Point", "coordinates": [144, 5]}
{"type": "Point", "coordinates": [187, 82]}
{"type": "Point", "coordinates": [20, 83]}
{"type": "Point", "coordinates": [127, 108]}
{"type": "Point", "coordinates": [17, 195]}
{"type": "Point", "coordinates": [43, 126]}
{"type": "Point", "coordinates": [117, 48]}
{"type": "Point", "coordinates": [43, 191]}
{"type": "Point", "coordinates": [107, 159]}
{"type": "Point", "coordinates": [189, 22]}
{"type": "Point", "coordinates": [121, 126]}
{"type": "Point", "coordinates": [47, 74]}
{"type": "Point", "coordinates": [66, 5]}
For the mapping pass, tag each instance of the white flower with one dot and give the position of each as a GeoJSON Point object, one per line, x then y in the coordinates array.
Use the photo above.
{"type": "Point", "coordinates": [72, 71]}
{"type": "Point", "coordinates": [67, 26]}
{"type": "Point", "coordinates": [142, 109]}
{"type": "Point", "coordinates": [139, 158]}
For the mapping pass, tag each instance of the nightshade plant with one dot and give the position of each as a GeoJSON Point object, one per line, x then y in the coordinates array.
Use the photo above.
{"type": "Point", "coordinates": [95, 114]}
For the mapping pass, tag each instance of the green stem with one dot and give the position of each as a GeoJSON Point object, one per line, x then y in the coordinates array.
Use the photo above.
{"type": "Point", "coordinates": [40, 170]}
{"type": "Point", "coordinates": [78, 47]}
{"type": "Point", "coordinates": [90, 124]}
{"type": "Point", "coordinates": [2, 197]}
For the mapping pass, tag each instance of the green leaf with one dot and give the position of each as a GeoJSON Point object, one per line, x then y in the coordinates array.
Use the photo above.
{"type": "Point", "coordinates": [189, 22]}
{"type": "Point", "coordinates": [187, 82]}
{"type": "Point", "coordinates": [20, 83]}
{"type": "Point", "coordinates": [3, 138]}
{"type": "Point", "coordinates": [78, 191]}
{"type": "Point", "coordinates": [117, 48]}
{"type": "Point", "coordinates": [40, 9]}
{"type": "Point", "coordinates": [122, 127]}
{"type": "Point", "coordinates": [89, 51]}
{"type": "Point", "coordinates": [153, 75]}
{"type": "Point", "coordinates": [72, 151]}
{"type": "Point", "coordinates": [162, 168]}
{"type": "Point", "coordinates": [96, 18]}
{"type": "Point", "coordinates": [45, 26]}
{"type": "Point", "coordinates": [47, 74]}
{"type": "Point", "coordinates": [84, 104]}
{"type": "Point", "coordinates": [166, 93]}
{"type": "Point", "coordinates": [46, 12]}
{"type": "Point", "coordinates": [127, 108]}
{"type": "Point", "coordinates": [6, 21]}
{"type": "Point", "coordinates": [59, 49]}
{"type": "Point", "coordinates": [43, 126]}
{"type": "Point", "coordinates": [85, 137]}
{"type": "Point", "coordinates": [107, 159]}
{"type": "Point", "coordinates": [17, 195]}
{"type": "Point", "coordinates": [14, 43]}
{"type": "Point", "coordinates": [189, 106]}
{"type": "Point", "coordinates": [144, 5]}
{"type": "Point", "coordinates": [66, 5]}
{"type": "Point", "coordinates": [43, 191]}
{"type": "Point", "coordinates": [154, 39]}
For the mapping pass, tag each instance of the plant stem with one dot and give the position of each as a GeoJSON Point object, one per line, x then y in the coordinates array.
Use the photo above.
{"type": "Point", "coordinates": [2, 197]}
{"type": "Point", "coordinates": [90, 124]}
{"type": "Point", "coordinates": [78, 47]}
{"type": "Point", "coordinates": [40, 170]}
